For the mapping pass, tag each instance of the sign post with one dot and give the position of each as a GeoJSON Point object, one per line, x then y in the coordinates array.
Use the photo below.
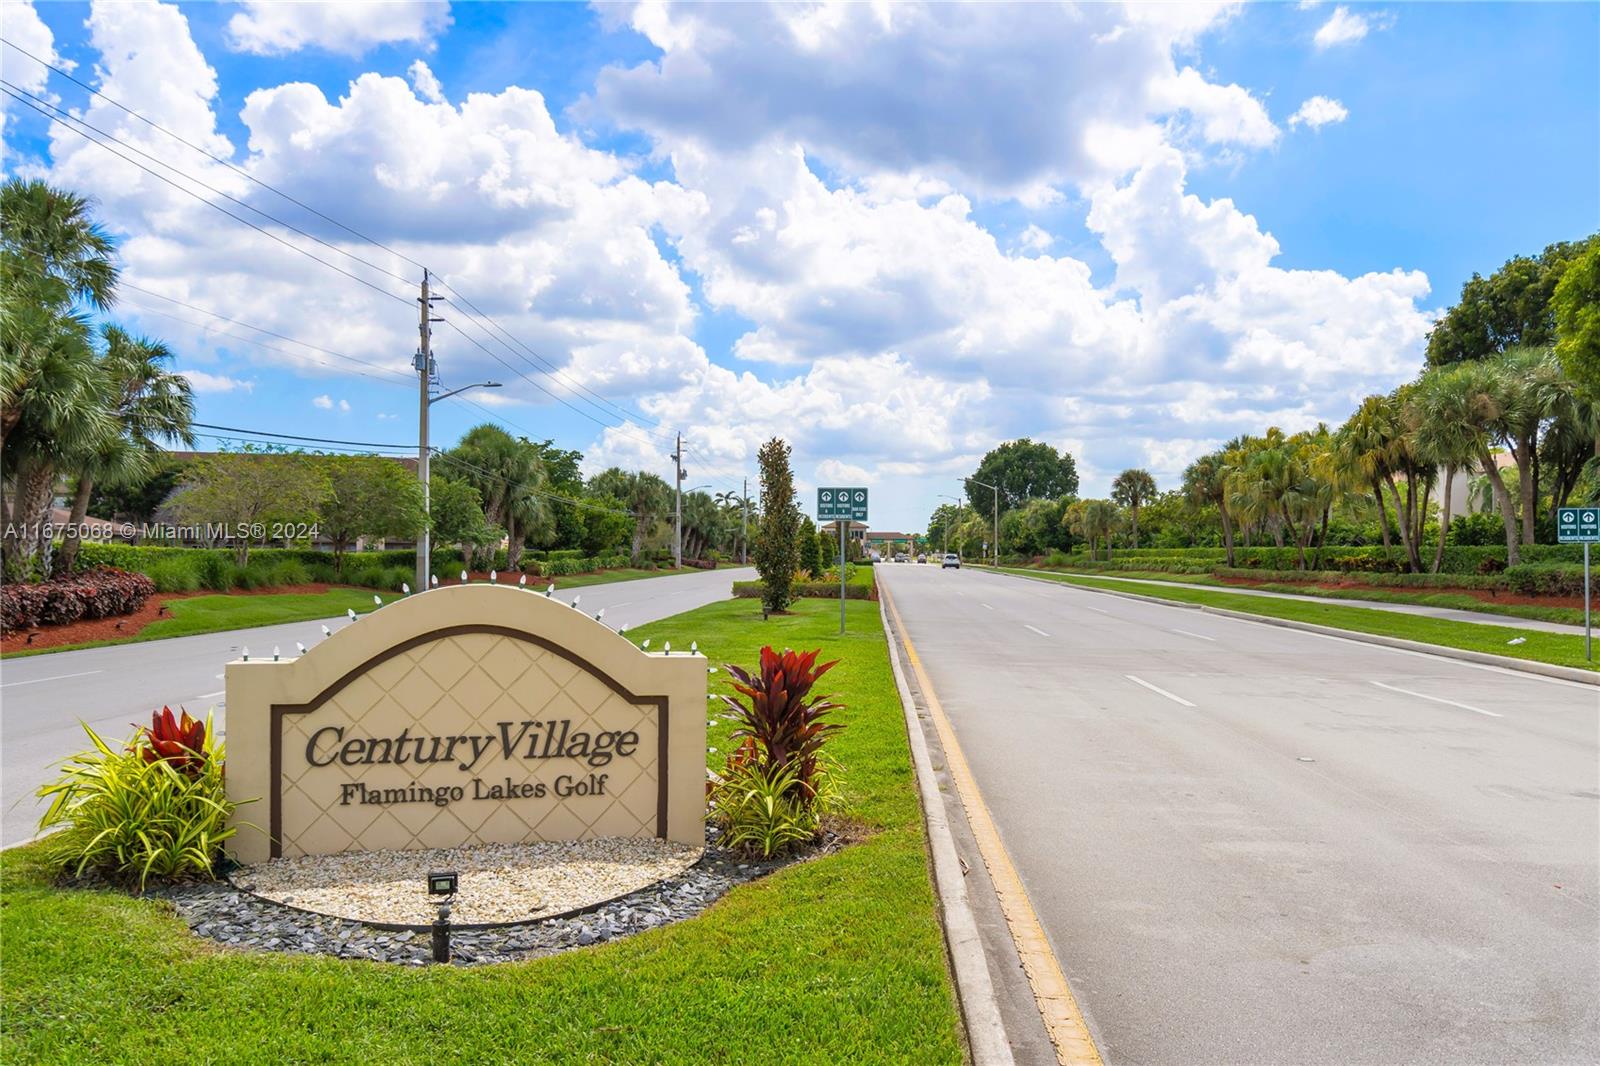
{"type": "Point", "coordinates": [842, 505]}
{"type": "Point", "coordinates": [1581, 525]}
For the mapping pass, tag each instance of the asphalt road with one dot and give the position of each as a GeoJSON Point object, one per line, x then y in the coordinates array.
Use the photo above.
{"type": "Point", "coordinates": [1257, 845]}
{"type": "Point", "coordinates": [43, 698]}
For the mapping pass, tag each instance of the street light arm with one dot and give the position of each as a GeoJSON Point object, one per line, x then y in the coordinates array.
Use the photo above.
{"type": "Point", "coordinates": [464, 388]}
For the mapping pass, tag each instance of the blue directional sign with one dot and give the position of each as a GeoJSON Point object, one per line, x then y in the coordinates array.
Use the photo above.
{"type": "Point", "coordinates": [1577, 525]}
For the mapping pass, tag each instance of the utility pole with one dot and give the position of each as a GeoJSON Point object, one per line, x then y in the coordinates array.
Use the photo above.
{"type": "Point", "coordinates": [744, 524]}
{"type": "Point", "coordinates": [677, 489]}
{"type": "Point", "coordinates": [424, 365]}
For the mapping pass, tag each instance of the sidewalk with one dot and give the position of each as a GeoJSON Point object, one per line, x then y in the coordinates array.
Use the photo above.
{"type": "Point", "coordinates": [1448, 613]}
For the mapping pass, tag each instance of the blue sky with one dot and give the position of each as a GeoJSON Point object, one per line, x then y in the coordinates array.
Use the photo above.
{"type": "Point", "coordinates": [894, 236]}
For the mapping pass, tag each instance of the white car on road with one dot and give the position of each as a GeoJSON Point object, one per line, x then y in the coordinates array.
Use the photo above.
{"type": "Point", "coordinates": [950, 559]}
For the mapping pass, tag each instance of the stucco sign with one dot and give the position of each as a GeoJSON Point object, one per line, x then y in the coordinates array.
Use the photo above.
{"type": "Point", "coordinates": [465, 715]}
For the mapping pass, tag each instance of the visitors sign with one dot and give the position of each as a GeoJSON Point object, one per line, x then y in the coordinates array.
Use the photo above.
{"type": "Point", "coordinates": [848, 504]}
{"type": "Point", "coordinates": [475, 714]}
{"type": "Point", "coordinates": [1578, 524]}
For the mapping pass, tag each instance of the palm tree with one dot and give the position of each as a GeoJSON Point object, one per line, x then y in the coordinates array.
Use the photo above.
{"type": "Point", "coordinates": [1446, 433]}
{"type": "Point", "coordinates": [1131, 489]}
{"type": "Point", "coordinates": [1540, 389]}
{"type": "Point", "coordinates": [1363, 450]}
{"type": "Point", "coordinates": [1490, 403]}
{"type": "Point", "coordinates": [1205, 483]}
{"type": "Point", "coordinates": [152, 406]}
{"type": "Point", "coordinates": [1093, 520]}
{"type": "Point", "coordinates": [646, 495]}
{"type": "Point", "coordinates": [509, 474]}
{"type": "Point", "coordinates": [54, 260]}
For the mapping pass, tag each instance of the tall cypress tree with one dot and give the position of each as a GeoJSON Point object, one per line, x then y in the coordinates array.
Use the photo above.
{"type": "Point", "coordinates": [776, 556]}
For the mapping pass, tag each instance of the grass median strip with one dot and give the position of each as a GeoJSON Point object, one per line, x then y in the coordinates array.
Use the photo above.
{"type": "Point", "coordinates": [839, 959]}
{"type": "Point", "coordinates": [1559, 649]}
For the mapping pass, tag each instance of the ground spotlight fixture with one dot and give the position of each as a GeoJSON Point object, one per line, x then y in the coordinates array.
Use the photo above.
{"type": "Point", "coordinates": [442, 882]}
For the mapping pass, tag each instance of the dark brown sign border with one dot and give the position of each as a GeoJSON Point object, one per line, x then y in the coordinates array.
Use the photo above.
{"type": "Point", "coordinates": [280, 710]}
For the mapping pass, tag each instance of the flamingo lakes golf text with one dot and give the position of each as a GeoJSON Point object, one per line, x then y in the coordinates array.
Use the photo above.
{"type": "Point", "coordinates": [525, 741]}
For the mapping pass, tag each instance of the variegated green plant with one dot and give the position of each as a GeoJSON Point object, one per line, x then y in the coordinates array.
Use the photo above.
{"type": "Point", "coordinates": [136, 817]}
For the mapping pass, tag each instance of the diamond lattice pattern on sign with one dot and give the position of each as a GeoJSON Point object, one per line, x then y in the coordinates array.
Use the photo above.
{"type": "Point", "coordinates": [467, 685]}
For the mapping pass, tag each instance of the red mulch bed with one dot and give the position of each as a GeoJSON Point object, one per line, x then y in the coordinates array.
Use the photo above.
{"type": "Point", "coordinates": [130, 624]}
{"type": "Point", "coordinates": [1482, 595]}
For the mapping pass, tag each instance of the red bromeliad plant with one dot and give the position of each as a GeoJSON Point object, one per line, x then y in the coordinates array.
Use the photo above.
{"type": "Point", "coordinates": [781, 724]}
{"type": "Point", "coordinates": [180, 742]}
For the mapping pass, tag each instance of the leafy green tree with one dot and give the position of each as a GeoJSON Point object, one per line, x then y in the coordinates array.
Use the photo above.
{"type": "Point", "coordinates": [1094, 521]}
{"type": "Point", "coordinates": [606, 525]}
{"type": "Point", "coordinates": [775, 549]}
{"type": "Point", "coordinates": [1510, 308]}
{"type": "Point", "coordinates": [808, 548]}
{"type": "Point", "coordinates": [565, 525]}
{"type": "Point", "coordinates": [1576, 303]}
{"type": "Point", "coordinates": [250, 488]}
{"type": "Point", "coordinates": [455, 514]}
{"type": "Point", "coordinates": [138, 501]}
{"type": "Point", "coordinates": [1131, 489]}
{"type": "Point", "coordinates": [1024, 470]}
{"type": "Point", "coordinates": [368, 496]}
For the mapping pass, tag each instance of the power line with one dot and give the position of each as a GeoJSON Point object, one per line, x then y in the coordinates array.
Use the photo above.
{"type": "Point", "coordinates": [312, 440]}
{"type": "Point", "coordinates": [552, 370]}
{"type": "Point", "coordinates": [26, 99]}
{"type": "Point", "coordinates": [214, 158]}
{"type": "Point", "coordinates": [206, 185]}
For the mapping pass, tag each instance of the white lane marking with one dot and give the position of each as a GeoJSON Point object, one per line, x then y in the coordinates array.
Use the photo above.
{"type": "Point", "coordinates": [1438, 699]}
{"type": "Point", "coordinates": [1196, 636]}
{"type": "Point", "coordinates": [209, 695]}
{"type": "Point", "coordinates": [58, 677]}
{"type": "Point", "coordinates": [1041, 632]}
{"type": "Point", "coordinates": [1157, 690]}
{"type": "Point", "coordinates": [985, 606]}
{"type": "Point", "coordinates": [624, 603]}
{"type": "Point", "coordinates": [1096, 610]}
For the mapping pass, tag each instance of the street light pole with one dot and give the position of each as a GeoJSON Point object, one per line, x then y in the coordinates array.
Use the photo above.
{"type": "Point", "coordinates": [959, 505]}
{"type": "Point", "coordinates": [996, 489]}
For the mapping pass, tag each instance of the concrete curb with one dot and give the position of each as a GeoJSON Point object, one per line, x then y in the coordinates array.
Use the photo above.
{"type": "Point", "coordinates": [1504, 662]}
{"type": "Point", "coordinates": [987, 1042]}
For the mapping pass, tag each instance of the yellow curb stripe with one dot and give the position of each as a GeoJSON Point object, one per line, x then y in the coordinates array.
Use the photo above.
{"type": "Point", "coordinates": [1062, 1017]}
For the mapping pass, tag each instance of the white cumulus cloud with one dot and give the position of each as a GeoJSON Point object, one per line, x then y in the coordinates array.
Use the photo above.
{"type": "Point", "coordinates": [347, 27]}
{"type": "Point", "coordinates": [1319, 111]}
{"type": "Point", "coordinates": [324, 401]}
{"type": "Point", "coordinates": [203, 382]}
{"type": "Point", "coordinates": [1342, 27]}
{"type": "Point", "coordinates": [425, 82]}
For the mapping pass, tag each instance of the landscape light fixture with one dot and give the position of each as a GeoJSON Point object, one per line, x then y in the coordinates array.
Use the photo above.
{"type": "Point", "coordinates": [494, 577]}
{"type": "Point", "coordinates": [274, 653]}
{"type": "Point", "coordinates": [405, 588]}
{"type": "Point", "coordinates": [442, 882]}
{"type": "Point", "coordinates": [244, 653]}
{"type": "Point", "coordinates": [463, 577]}
{"type": "Point", "coordinates": [299, 647]}
{"type": "Point", "coordinates": [377, 600]}
{"type": "Point", "coordinates": [326, 631]}
{"type": "Point", "coordinates": [351, 611]}
{"type": "Point", "coordinates": [433, 580]}
{"type": "Point", "coordinates": [522, 582]}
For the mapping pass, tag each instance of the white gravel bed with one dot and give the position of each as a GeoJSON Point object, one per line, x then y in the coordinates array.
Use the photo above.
{"type": "Point", "coordinates": [498, 882]}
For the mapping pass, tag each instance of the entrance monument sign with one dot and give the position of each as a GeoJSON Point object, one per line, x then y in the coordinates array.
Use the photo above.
{"type": "Point", "coordinates": [465, 715]}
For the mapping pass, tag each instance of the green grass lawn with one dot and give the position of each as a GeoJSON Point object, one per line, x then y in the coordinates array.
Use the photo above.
{"type": "Point", "coordinates": [840, 959]}
{"type": "Point", "coordinates": [212, 614]}
{"type": "Point", "coordinates": [1556, 648]}
{"type": "Point", "coordinates": [1420, 597]}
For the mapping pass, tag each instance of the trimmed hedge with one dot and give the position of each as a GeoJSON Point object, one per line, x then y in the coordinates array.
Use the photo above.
{"type": "Point", "coordinates": [822, 590]}
{"type": "Point", "coordinates": [214, 569]}
{"type": "Point", "coordinates": [100, 593]}
{"type": "Point", "coordinates": [562, 565]}
{"type": "Point", "coordinates": [1458, 559]}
